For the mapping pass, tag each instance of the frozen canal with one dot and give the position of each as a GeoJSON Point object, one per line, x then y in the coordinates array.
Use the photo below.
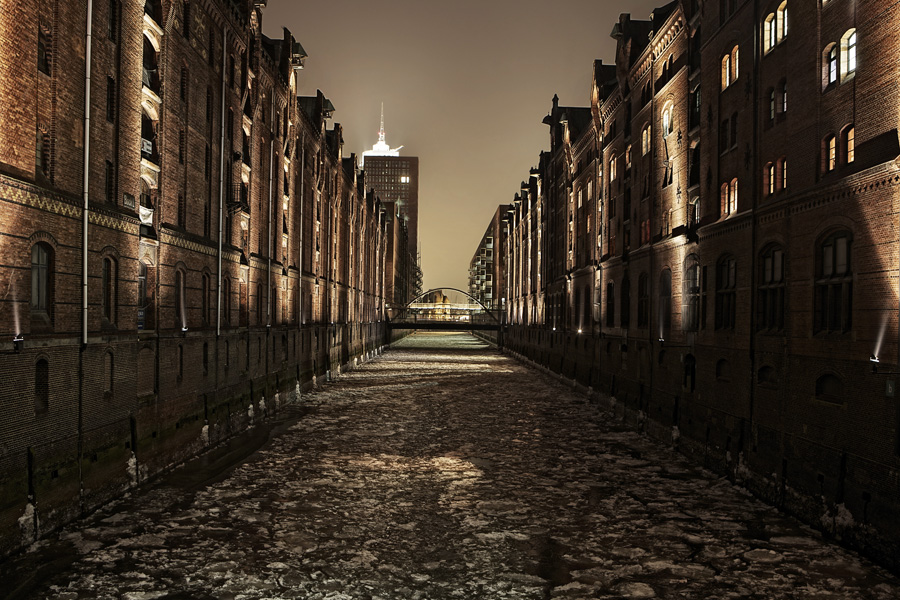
{"type": "Point", "coordinates": [445, 470]}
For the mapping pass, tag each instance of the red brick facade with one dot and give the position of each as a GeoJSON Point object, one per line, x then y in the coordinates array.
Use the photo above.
{"type": "Point", "coordinates": [732, 273]}
{"type": "Point", "coordinates": [233, 254]}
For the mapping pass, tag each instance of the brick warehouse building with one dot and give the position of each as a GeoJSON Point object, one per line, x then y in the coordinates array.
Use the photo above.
{"type": "Point", "coordinates": [218, 252]}
{"type": "Point", "coordinates": [726, 303]}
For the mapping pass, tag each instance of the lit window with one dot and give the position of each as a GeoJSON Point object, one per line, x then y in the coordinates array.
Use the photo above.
{"type": "Point", "coordinates": [830, 153]}
{"type": "Point", "coordinates": [769, 179]}
{"type": "Point", "coordinates": [769, 32]}
{"type": "Point", "coordinates": [782, 174]}
{"type": "Point", "coordinates": [667, 119]}
{"type": "Point", "coordinates": [850, 145]}
{"type": "Point", "coordinates": [782, 21]}
{"type": "Point", "coordinates": [848, 53]}
{"type": "Point", "coordinates": [832, 64]}
{"type": "Point", "coordinates": [645, 140]}
{"type": "Point", "coordinates": [726, 71]}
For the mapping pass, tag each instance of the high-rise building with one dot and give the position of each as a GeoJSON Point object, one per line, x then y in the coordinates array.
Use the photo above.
{"type": "Point", "coordinates": [395, 179]}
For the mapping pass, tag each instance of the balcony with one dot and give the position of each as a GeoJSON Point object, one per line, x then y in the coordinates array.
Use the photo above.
{"type": "Point", "coordinates": [238, 199]}
{"type": "Point", "coordinates": [150, 79]}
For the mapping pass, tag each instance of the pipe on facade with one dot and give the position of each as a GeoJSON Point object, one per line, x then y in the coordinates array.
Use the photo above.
{"type": "Point", "coordinates": [87, 170]}
{"type": "Point", "coordinates": [221, 188]}
{"type": "Point", "coordinates": [269, 228]}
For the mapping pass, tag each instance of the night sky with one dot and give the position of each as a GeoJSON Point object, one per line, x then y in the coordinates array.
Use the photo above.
{"type": "Point", "coordinates": [465, 85]}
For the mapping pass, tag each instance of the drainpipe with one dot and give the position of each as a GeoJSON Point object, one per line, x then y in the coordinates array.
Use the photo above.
{"type": "Point", "coordinates": [269, 315]}
{"type": "Point", "coordinates": [300, 204]}
{"type": "Point", "coordinates": [87, 169]}
{"type": "Point", "coordinates": [221, 188]}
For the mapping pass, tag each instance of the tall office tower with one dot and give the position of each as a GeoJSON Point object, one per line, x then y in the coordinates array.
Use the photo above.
{"type": "Point", "coordinates": [395, 179]}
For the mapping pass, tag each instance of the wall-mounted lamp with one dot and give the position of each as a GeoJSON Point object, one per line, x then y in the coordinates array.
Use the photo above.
{"type": "Point", "coordinates": [184, 330]}
{"type": "Point", "coordinates": [18, 339]}
{"type": "Point", "coordinates": [579, 331]}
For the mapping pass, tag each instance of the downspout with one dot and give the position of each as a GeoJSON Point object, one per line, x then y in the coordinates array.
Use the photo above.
{"type": "Point", "coordinates": [300, 203]}
{"type": "Point", "coordinates": [754, 265]}
{"type": "Point", "coordinates": [221, 189]}
{"type": "Point", "coordinates": [271, 301]}
{"type": "Point", "coordinates": [87, 168]}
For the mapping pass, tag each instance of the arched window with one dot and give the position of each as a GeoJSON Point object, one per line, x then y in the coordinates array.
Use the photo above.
{"type": "Point", "coordinates": [41, 386]}
{"type": "Point", "coordinates": [645, 140]}
{"type": "Point", "coordinates": [848, 54]}
{"type": "Point", "coordinates": [43, 49]}
{"type": "Point", "coordinates": [690, 295]}
{"type": "Point", "coordinates": [781, 21]}
{"type": "Point", "coordinates": [769, 179]}
{"type": "Point", "coordinates": [770, 293]}
{"type": "Point", "coordinates": [726, 71]}
{"type": "Point", "coordinates": [643, 300]}
{"type": "Point", "coordinates": [769, 32]}
{"type": "Point", "coordinates": [665, 302]}
{"type": "Point", "coordinates": [784, 103]}
{"type": "Point", "coordinates": [848, 143]}
{"type": "Point", "coordinates": [830, 388]}
{"type": "Point", "coordinates": [772, 104]}
{"type": "Point", "coordinates": [781, 174]}
{"type": "Point", "coordinates": [766, 376]}
{"type": "Point", "coordinates": [829, 154]}
{"type": "Point", "coordinates": [109, 289]}
{"type": "Point", "coordinates": [180, 312]}
{"type": "Point", "coordinates": [735, 62]}
{"type": "Point", "coordinates": [612, 167]}
{"type": "Point", "coordinates": [41, 280]}
{"type": "Point", "coordinates": [834, 284]}
{"type": "Point", "coordinates": [726, 292]}
{"type": "Point", "coordinates": [831, 64]}
{"type": "Point", "coordinates": [667, 120]}
{"type": "Point", "coordinates": [625, 303]}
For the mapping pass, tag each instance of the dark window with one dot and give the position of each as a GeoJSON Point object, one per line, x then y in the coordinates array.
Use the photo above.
{"type": "Point", "coordinates": [212, 47]}
{"type": "Point", "coordinates": [834, 284]}
{"type": "Point", "coordinates": [41, 154]}
{"type": "Point", "coordinates": [186, 20]}
{"type": "Point", "coordinates": [726, 293]}
{"type": "Point", "coordinates": [180, 315]}
{"type": "Point", "coordinates": [108, 287]}
{"type": "Point", "coordinates": [665, 301]}
{"type": "Point", "coordinates": [226, 300]}
{"type": "Point", "coordinates": [690, 301]}
{"type": "Point", "coordinates": [112, 20]}
{"type": "Point", "coordinates": [182, 212]}
{"type": "Point", "coordinates": [143, 299]}
{"type": "Point", "coordinates": [41, 269]}
{"type": "Point", "coordinates": [204, 300]}
{"type": "Point", "coordinates": [625, 303]}
{"type": "Point", "coordinates": [770, 295]}
{"type": "Point", "coordinates": [181, 146]}
{"type": "Point", "coordinates": [41, 386]}
{"type": "Point", "coordinates": [43, 50]}
{"type": "Point", "coordinates": [205, 358]}
{"type": "Point", "coordinates": [829, 388]}
{"type": "Point", "coordinates": [110, 99]}
{"type": "Point", "coordinates": [184, 83]}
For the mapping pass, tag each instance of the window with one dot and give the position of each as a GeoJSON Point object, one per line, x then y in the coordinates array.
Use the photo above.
{"type": "Point", "coordinates": [782, 21]}
{"type": "Point", "coordinates": [834, 284]}
{"type": "Point", "coordinates": [830, 154]}
{"type": "Point", "coordinates": [205, 358]}
{"type": "Point", "coordinates": [690, 300]}
{"type": "Point", "coordinates": [41, 283]}
{"type": "Point", "coordinates": [109, 289]}
{"type": "Point", "coordinates": [735, 52]}
{"type": "Point", "coordinates": [772, 104]}
{"type": "Point", "coordinates": [186, 20]}
{"type": "Point", "coordinates": [625, 303]}
{"type": "Point", "coordinates": [41, 154]}
{"type": "Point", "coordinates": [610, 304]}
{"type": "Point", "coordinates": [612, 167]}
{"type": "Point", "coordinates": [204, 300]}
{"type": "Point", "coordinates": [848, 54]}
{"type": "Point", "coordinates": [665, 301]}
{"type": "Point", "coordinates": [109, 182]}
{"type": "Point", "coordinates": [180, 314]}
{"type": "Point", "coordinates": [643, 301]}
{"type": "Point", "coordinates": [226, 300]}
{"type": "Point", "coordinates": [110, 99]}
{"type": "Point", "coordinates": [784, 97]}
{"type": "Point", "coordinates": [770, 295]}
{"type": "Point", "coordinates": [769, 32]}
{"type": "Point", "coordinates": [726, 295]}
{"type": "Point", "coordinates": [831, 65]}
{"type": "Point", "coordinates": [734, 130]}
{"type": "Point", "coordinates": [782, 179]}
{"type": "Point", "coordinates": [829, 388]}
{"type": "Point", "coordinates": [43, 50]}
{"type": "Point", "coordinates": [728, 198]}
{"type": "Point", "coordinates": [849, 143]}
{"type": "Point", "coordinates": [769, 179]}
{"type": "Point", "coordinates": [667, 119]}
{"type": "Point", "coordinates": [182, 212]}
{"type": "Point", "coordinates": [184, 84]}
{"type": "Point", "coordinates": [41, 386]}
{"type": "Point", "coordinates": [645, 140]}
{"type": "Point", "coordinates": [108, 373]}
{"type": "Point", "coordinates": [112, 20]}
{"type": "Point", "coordinates": [723, 370]}
{"type": "Point", "coordinates": [726, 71]}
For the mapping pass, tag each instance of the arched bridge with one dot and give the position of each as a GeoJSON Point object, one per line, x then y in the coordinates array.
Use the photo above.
{"type": "Point", "coordinates": [438, 310]}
